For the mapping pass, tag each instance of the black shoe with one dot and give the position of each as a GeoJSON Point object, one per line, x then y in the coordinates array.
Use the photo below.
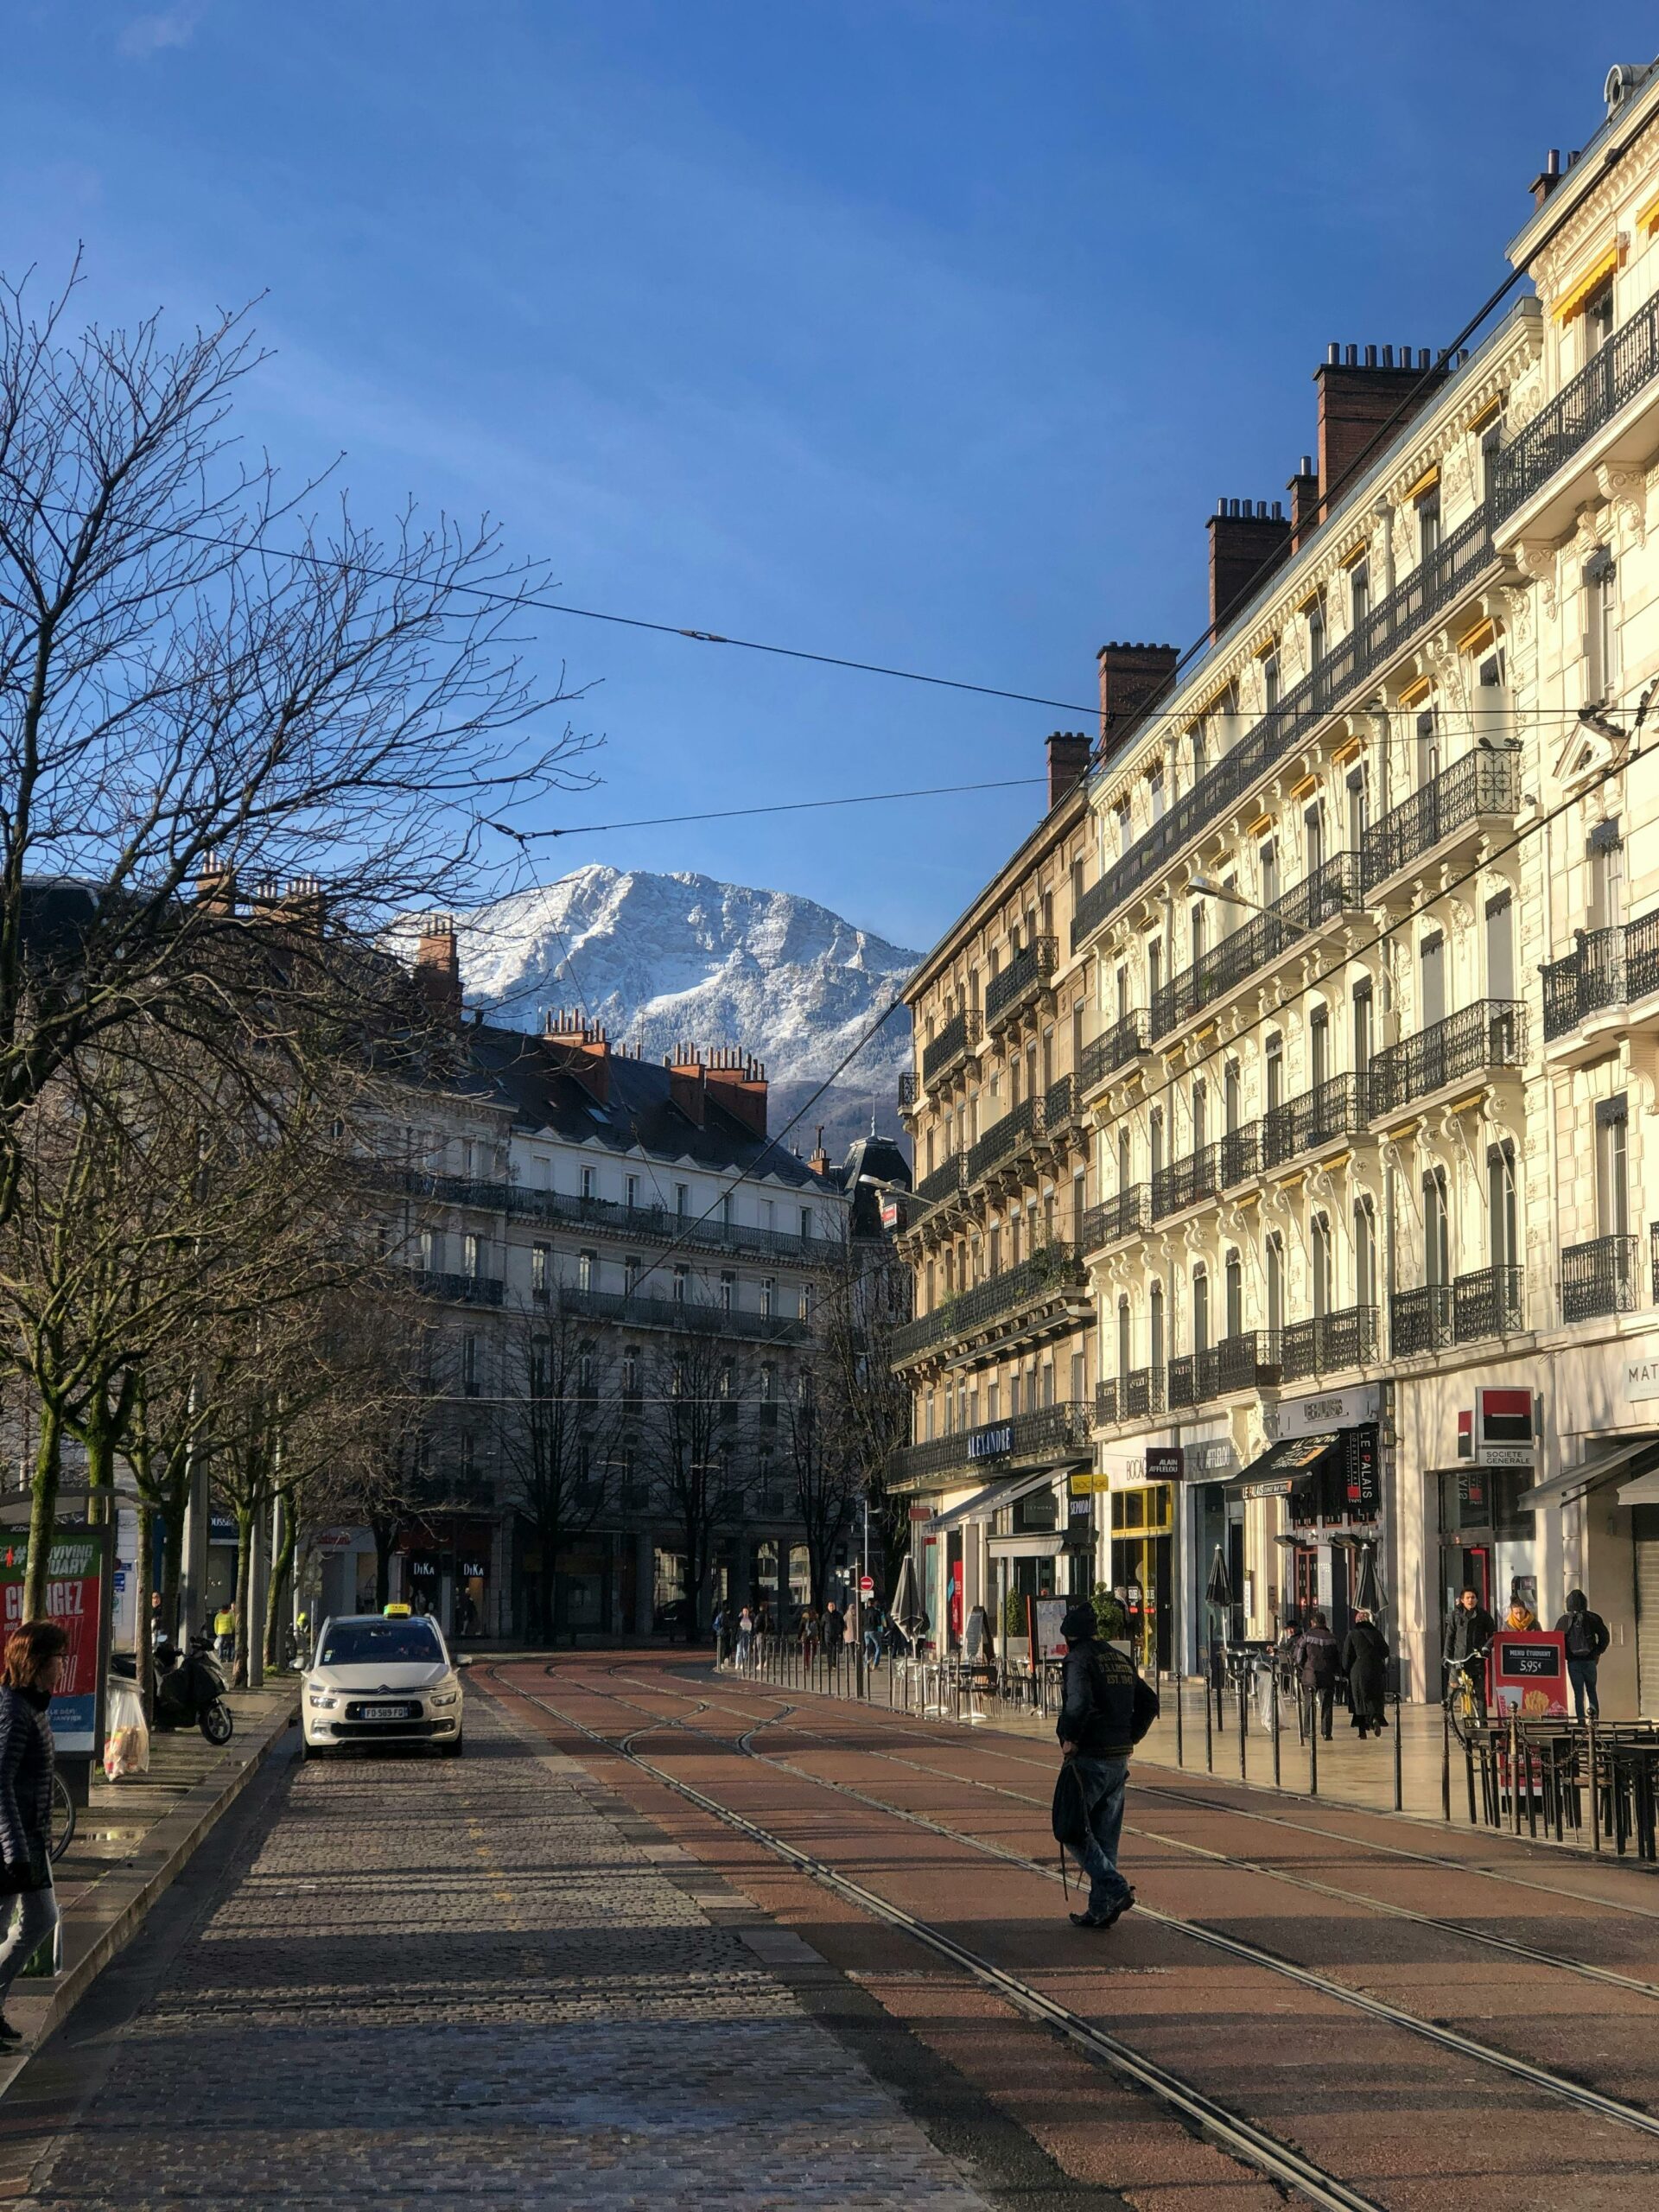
{"type": "Point", "coordinates": [10, 2038]}
{"type": "Point", "coordinates": [1104, 1919]}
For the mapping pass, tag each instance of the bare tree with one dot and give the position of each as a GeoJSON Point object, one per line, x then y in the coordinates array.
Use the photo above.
{"type": "Point", "coordinates": [829, 1482]}
{"type": "Point", "coordinates": [861, 1294]}
{"type": "Point", "coordinates": [696, 1448]}
{"type": "Point", "coordinates": [560, 1432]}
{"type": "Point", "coordinates": [202, 685]}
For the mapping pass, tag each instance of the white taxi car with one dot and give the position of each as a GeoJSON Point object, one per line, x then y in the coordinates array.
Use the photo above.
{"type": "Point", "coordinates": [381, 1678]}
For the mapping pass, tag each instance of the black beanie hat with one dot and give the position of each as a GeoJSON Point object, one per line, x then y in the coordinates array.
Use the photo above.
{"type": "Point", "coordinates": [1079, 1622]}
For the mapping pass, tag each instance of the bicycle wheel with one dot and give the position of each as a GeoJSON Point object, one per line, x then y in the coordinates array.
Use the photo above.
{"type": "Point", "coordinates": [1464, 1707]}
{"type": "Point", "coordinates": [63, 1818]}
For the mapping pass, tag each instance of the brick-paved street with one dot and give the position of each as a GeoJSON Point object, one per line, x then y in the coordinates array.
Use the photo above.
{"type": "Point", "coordinates": [459, 1980]}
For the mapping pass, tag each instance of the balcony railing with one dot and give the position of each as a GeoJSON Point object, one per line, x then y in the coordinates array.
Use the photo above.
{"type": "Point", "coordinates": [1347, 1339]}
{"type": "Point", "coordinates": [1141, 1392]}
{"type": "Point", "coordinates": [1488, 1304]}
{"type": "Point", "coordinates": [909, 1090]}
{"type": "Point", "coordinates": [1004, 1137]}
{"type": "Point", "coordinates": [461, 1290]}
{"type": "Point", "coordinates": [1059, 1431]}
{"type": "Point", "coordinates": [1597, 1277]}
{"type": "Point", "coordinates": [1025, 974]}
{"type": "Point", "coordinates": [1124, 1041]}
{"type": "Point", "coordinates": [1123, 1214]}
{"type": "Point", "coordinates": [1240, 1154]}
{"type": "Point", "coordinates": [1623, 367]}
{"type": "Point", "coordinates": [941, 1183]}
{"type": "Point", "coordinates": [1337, 1107]}
{"type": "Point", "coordinates": [1490, 1033]}
{"type": "Point", "coordinates": [1331, 890]}
{"type": "Point", "coordinates": [1653, 1257]}
{"type": "Point", "coordinates": [660, 1224]}
{"type": "Point", "coordinates": [1187, 1182]}
{"type": "Point", "coordinates": [1614, 375]}
{"type": "Point", "coordinates": [692, 1316]}
{"type": "Point", "coordinates": [1419, 1319]}
{"type": "Point", "coordinates": [1605, 967]}
{"type": "Point", "coordinates": [1060, 1106]}
{"type": "Point", "coordinates": [1045, 1273]}
{"type": "Point", "coordinates": [954, 1042]}
{"type": "Point", "coordinates": [1246, 1361]}
{"type": "Point", "coordinates": [1466, 553]}
{"type": "Point", "coordinates": [1106, 1398]}
{"type": "Point", "coordinates": [1480, 783]}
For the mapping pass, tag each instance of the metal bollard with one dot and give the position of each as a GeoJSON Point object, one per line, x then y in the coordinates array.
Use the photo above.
{"type": "Point", "coordinates": [1209, 1732]}
{"type": "Point", "coordinates": [1273, 1681]}
{"type": "Point", "coordinates": [1179, 1759]}
{"type": "Point", "coordinates": [1312, 1752]}
{"type": "Point", "coordinates": [1399, 1758]}
{"type": "Point", "coordinates": [1446, 1765]}
{"type": "Point", "coordinates": [1595, 1791]}
{"type": "Point", "coordinates": [1243, 1711]}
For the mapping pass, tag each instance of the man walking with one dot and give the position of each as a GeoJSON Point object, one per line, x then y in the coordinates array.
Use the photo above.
{"type": "Point", "coordinates": [1586, 1637]}
{"type": "Point", "coordinates": [1471, 1628]}
{"type": "Point", "coordinates": [1096, 1729]}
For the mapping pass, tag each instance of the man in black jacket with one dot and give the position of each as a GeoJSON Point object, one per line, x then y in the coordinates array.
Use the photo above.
{"type": "Point", "coordinates": [1586, 1637]}
{"type": "Point", "coordinates": [1096, 1733]}
{"type": "Point", "coordinates": [1468, 1632]}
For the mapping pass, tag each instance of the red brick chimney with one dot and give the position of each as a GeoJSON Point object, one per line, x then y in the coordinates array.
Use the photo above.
{"type": "Point", "coordinates": [216, 887]}
{"type": "Point", "coordinates": [1132, 679]}
{"type": "Point", "coordinates": [685, 1081]}
{"type": "Point", "coordinates": [1244, 540]}
{"type": "Point", "coordinates": [1068, 763]}
{"type": "Point", "coordinates": [819, 1163]}
{"type": "Point", "coordinates": [437, 966]}
{"type": "Point", "coordinates": [738, 1084]}
{"type": "Point", "coordinates": [581, 1048]}
{"type": "Point", "coordinates": [1304, 490]}
{"type": "Point", "coordinates": [1356, 397]}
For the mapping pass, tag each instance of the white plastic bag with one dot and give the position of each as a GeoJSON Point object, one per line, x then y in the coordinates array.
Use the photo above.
{"type": "Point", "coordinates": [126, 1746]}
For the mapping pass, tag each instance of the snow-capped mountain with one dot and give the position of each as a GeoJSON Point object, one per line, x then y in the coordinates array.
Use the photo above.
{"type": "Point", "coordinates": [666, 959]}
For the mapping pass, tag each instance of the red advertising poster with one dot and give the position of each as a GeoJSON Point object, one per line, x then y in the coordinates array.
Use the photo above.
{"type": "Point", "coordinates": [73, 1599]}
{"type": "Point", "coordinates": [1528, 1674]}
{"type": "Point", "coordinates": [955, 1600]}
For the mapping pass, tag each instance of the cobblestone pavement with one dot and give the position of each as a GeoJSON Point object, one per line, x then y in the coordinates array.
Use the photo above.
{"type": "Point", "coordinates": [459, 1980]}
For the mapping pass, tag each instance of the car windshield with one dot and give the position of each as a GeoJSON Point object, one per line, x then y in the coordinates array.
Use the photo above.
{"type": "Point", "coordinates": [352, 1644]}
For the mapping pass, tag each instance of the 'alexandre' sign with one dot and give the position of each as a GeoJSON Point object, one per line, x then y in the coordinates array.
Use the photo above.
{"type": "Point", "coordinates": [991, 1443]}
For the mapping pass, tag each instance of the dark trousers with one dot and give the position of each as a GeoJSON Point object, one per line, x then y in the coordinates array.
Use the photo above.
{"type": "Point", "coordinates": [1319, 1701]}
{"type": "Point", "coordinates": [1102, 1783]}
{"type": "Point", "coordinates": [1581, 1673]}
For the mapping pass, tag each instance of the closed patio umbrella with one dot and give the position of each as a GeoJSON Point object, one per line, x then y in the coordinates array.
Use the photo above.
{"type": "Point", "coordinates": [907, 1607]}
{"type": "Point", "coordinates": [1218, 1591]}
{"type": "Point", "coordinates": [1368, 1583]}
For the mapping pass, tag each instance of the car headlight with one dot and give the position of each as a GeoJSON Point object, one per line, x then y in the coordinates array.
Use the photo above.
{"type": "Point", "coordinates": [322, 1700]}
{"type": "Point", "coordinates": [443, 1697]}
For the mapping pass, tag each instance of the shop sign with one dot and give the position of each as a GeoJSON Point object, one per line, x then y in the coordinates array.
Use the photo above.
{"type": "Point", "coordinates": [1091, 1483]}
{"type": "Point", "coordinates": [75, 1597]}
{"type": "Point", "coordinates": [1164, 1463]}
{"type": "Point", "coordinates": [991, 1443]}
{"type": "Point", "coordinates": [1642, 1378]}
{"type": "Point", "coordinates": [471, 1570]}
{"type": "Point", "coordinates": [1503, 1428]}
{"type": "Point", "coordinates": [1529, 1673]}
{"type": "Point", "coordinates": [1210, 1462]}
{"type": "Point", "coordinates": [921, 1513]}
{"type": "Point", "coordinates": [1082, 1508]}
{"type": "Point", "coordinates": [1334, 1409]}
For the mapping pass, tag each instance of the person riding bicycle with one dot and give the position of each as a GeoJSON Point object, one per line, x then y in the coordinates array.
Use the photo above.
{"type": "Point", "coordinates": [1468, 1632]}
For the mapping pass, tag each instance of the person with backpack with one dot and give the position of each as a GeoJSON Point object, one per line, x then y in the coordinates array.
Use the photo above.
{"type": "Point", "coordinates": [1106, 1709]}
{"type": "Point", "coordinates": [1318, 1664]}
{"type": "Point", "coordinates": [1586, 1638]}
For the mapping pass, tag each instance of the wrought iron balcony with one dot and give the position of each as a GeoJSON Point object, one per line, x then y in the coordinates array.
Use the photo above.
{"type": "Point", "coordinates": [1419, 1319]}
{"type": "Point", "coordinates": [1113, 1219]}
{"type": "Point", "coordinates": [461, 1290]}
{"type": "Point", "coordinates": [954, 1042]}
{"type": "Point", "coordinates": [1489, 1303]}
{"type": "Point", "coordinates": [1005, 1138]}
{"type": "Point", "coordinates": [1331, 890]}
{"type": "Point", "coordinates": [1124, 1041]}
{"type": "Point", "coordinates": [1061, 1105]}
{"type": "Point", "coordinates": [944, 1182]}
{"type": "Point", "coordinates": [687, 1316]}
{"type": "Point", "coordinates": [1141, 1392]}
{"type": "Point", "coordinates": [1490, 1033]}
{"type": "Point", "coordinates": [1480, 785]}
{"type": "Point", "coordinates": [909, 1090]}
{"type": "Point", "coordinates": [1328, 1341]}
{"type": "Point", "coordinates": [1599, 1278]}
{"type": "Point", "coordinates": [1011, 991]}
{"type": "Point", "coordinates": [1106, 1398]}
{"type": "Point", "coordinates": [1059, 1433]}
{"type": "Point", "coordinates": [658, 1224]}
{"type": "Point", "coordinates": [1249, 1361]}
{"type": "Point", "coordinates": [1616, 372]}
{"type": "Point", "coordinates": [1187, 1182]}
{"type": "Point", "coordinates": [1337, 1107]}
{"type": "Point", "coordinates": [1605, 967]}
{"type": "Point", "coordinates": [1653, 1257]}
{"type": "Point", "coordinates": [1051, 1271]}
{"type": "Point", "coordinates": [1240, 1154]}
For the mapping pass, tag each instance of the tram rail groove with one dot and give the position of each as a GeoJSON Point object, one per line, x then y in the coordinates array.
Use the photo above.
{"type": "Point", "coordinates": [1580, 2094]}
{"type": "Point", "coordinates": [1230, 2131]}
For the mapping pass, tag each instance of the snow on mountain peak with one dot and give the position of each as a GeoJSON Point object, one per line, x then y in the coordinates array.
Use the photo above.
{"type": "Point", "coordinates": [664, 959]}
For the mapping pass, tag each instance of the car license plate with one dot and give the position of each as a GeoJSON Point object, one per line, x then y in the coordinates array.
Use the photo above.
{"type": "Point", "coordinates": [386, 1713]}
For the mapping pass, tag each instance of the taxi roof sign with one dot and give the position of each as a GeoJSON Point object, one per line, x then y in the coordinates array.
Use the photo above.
{"type": "Point", "coordinates": [396, 1612]}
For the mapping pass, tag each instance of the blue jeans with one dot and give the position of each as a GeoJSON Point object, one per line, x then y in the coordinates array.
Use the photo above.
{"type": "Point", "coordinates": [1581, 1673]}
{"type": "Point", "coordinates": [28, 1917]}
{"type": "Point", "coordinates": [872, 1647]}
{"type": "Point", "coordinates": [1102, 1783]}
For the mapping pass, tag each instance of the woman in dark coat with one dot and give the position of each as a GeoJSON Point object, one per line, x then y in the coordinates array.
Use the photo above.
{"type": "Point", "coordinates": [1365, 1663]}
{"type": "Point", "coordinates": [28, 1905]}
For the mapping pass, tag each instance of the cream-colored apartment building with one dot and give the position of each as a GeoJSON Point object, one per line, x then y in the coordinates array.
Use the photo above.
{"type": "Point", "coordinates": [1356, 962]}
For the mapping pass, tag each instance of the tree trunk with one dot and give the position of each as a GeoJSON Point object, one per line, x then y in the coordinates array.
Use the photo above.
{"type": "Point", "coordinates": [173, 1562]}
{"type": "Point", "coordinates": [42, 1510]}
{"type": "Point", "coordinates": [386, 1534]}
{"type": "Point", "coordinates": [143, 1639]}
{"type": "Point", "coordinates": [243, 1585]}
{"type": "Point", "coordinates": [281, 1567]}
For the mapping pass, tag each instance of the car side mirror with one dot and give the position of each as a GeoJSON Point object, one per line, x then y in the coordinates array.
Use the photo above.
{"type": "Point", "coordinates": [462, 1660]}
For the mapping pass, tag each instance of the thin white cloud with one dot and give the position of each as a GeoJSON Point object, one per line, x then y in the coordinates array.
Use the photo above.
{"type": "Point", "coordinates": [163, 28]}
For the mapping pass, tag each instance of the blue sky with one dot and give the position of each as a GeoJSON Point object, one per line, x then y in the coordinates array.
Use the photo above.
{"type": "Point", "coordinates": [923, 330]}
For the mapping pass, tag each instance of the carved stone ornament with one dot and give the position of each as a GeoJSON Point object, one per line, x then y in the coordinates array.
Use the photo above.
{"type": "Point", "coordinates": [1625, 491]}
{"type": "Point", "coordinates": [1535, 557]}
{"type": "Point", "coordinates": [1587, 755]}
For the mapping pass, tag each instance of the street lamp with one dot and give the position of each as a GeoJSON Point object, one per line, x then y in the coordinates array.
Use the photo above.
{"type": "Point", "coordinates": [1207, 887]}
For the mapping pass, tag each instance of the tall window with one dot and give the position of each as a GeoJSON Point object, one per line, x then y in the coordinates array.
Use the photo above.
{"type": "Point", "coordinates": [1270, 680]}
{"type": "Point", "coordinates": [727, 1290]}
{"type": "Point", "coordinates": [1319, 1046]}
{"type": "Point", "coordinates": [1600, 625]}
{"type": "Point", "coordinates": [1500, 947]}
{"type": "Point", "coordinates": [1598, 319]}
{"type": "Point", "coordinates": [1324, 1270]}
{"type": "Point", "coordinates": [1229, 1097]}
{"type": "Point", "coordinates": [1437, 1229]}
{"type": "Point", "coordinates": [1432, 968]}
{"type": "Point", "coordinates": [1316, 633]}
{"type": "Point", "coordinates": [1200, 1310]}
{"type": "Point", "coordinates": [1364, 1253]}
{"type": "Point", "coordinates": [469, 1366]}
{"type": "Point", "coordinates": [471, 1257]}
{"type": "Point", "coordinates": [1429, 525]}
{"type": "Point", "coordinates": [1125, 1159]}
{"type": "Point", "coordinates": [1359, 808]}
{"type": "Point", "coordinates": [1154, 966]}
{"type": "Point", "coordinates": [1429, 748]}
{"type": "Point", "coordinates": [682, 1284]}
{"type": "Point", "coordinates": [1314, 838]}
{"type": "Point", "coordinates": [538, 1270]}
{"type": "Point", "coordinates": [1276, 1270]}
{"type": "Point", "coordinates": [1606, 859]}
{"type": "Point", "coordinates": [1359, 592]}
{"type": "Point", "coordinates": [1266, 860]}
{"type": "Point", "coordinates": [1274, 1059]}
{"type": "Point", "coordinates": [1155, 1324]}
{"type": "Point", "coordinates": [1361, 1006]}
{"type": "Point", "coordinates": [1156, 1129]}
{"type": "Point", "coordinates": [587, 1270]}
{"type": "Point", "coordinates": [1198, 926]}
{"type": "Point", "coordinates": [1125, 1346]}
{"type": "Point", "coordinates": [1612, 1185]}
{"type": "Point", "coordinates": [1200, 1114]}
{"type": "Point", "coordinates": [1122, 992]}
{"type": "Point", "coordinates": [1235, 1282]}
{"type": "Point", "coordinates": [1200, 750]}
{"type": "Point", "coordinates": [768, 1295]}
{"type": "Point", "coordinates": [1157, 796]}
{"type": "Point", "coordinates": [633, 1191]}
{"type": "Point", "coordinates": [1502, 1228]}
{"type": "Point", "coordinates": [590, 1182]}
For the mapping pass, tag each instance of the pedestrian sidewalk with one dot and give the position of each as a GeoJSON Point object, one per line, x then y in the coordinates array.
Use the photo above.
{"type": "Point", "coordinates": [131, 1840]}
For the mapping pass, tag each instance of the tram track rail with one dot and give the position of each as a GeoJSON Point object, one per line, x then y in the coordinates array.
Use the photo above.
{"type": "Point", "coordinates": [1580, 2096]}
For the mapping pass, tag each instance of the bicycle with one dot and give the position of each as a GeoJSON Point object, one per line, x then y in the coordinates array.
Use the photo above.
{"type": "Point", "coordinates": [1465, 1704]}
{"type": "Point", "coordinates": [62, 1819]}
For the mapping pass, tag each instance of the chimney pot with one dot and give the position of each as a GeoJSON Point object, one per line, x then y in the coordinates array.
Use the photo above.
{"type": "Point", "coordinates": [1370, 357]}
{"type": "Point", "coordinates": [1552, 162]}
{"type": "Point", "coordinates": [1388, 357]}
{"type": "Point", "coordinates": [1353, 357]}
{"type": "Point", "coordinates": [1332, 354]}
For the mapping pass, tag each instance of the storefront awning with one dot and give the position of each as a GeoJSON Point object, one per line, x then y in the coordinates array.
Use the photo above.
{"type": "Point", "coordinates": [1284, 1468]}
{"type": "Point", "coordinates": [986, 1502]}
{"type": "Point", "coordinates": [1027, 1547]}
{"type": "Point", "coordinates": [1590, 1474]}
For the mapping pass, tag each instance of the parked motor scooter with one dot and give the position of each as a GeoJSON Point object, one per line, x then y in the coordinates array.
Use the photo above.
{"type": "Point", "coordinates": [191, 1689]}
